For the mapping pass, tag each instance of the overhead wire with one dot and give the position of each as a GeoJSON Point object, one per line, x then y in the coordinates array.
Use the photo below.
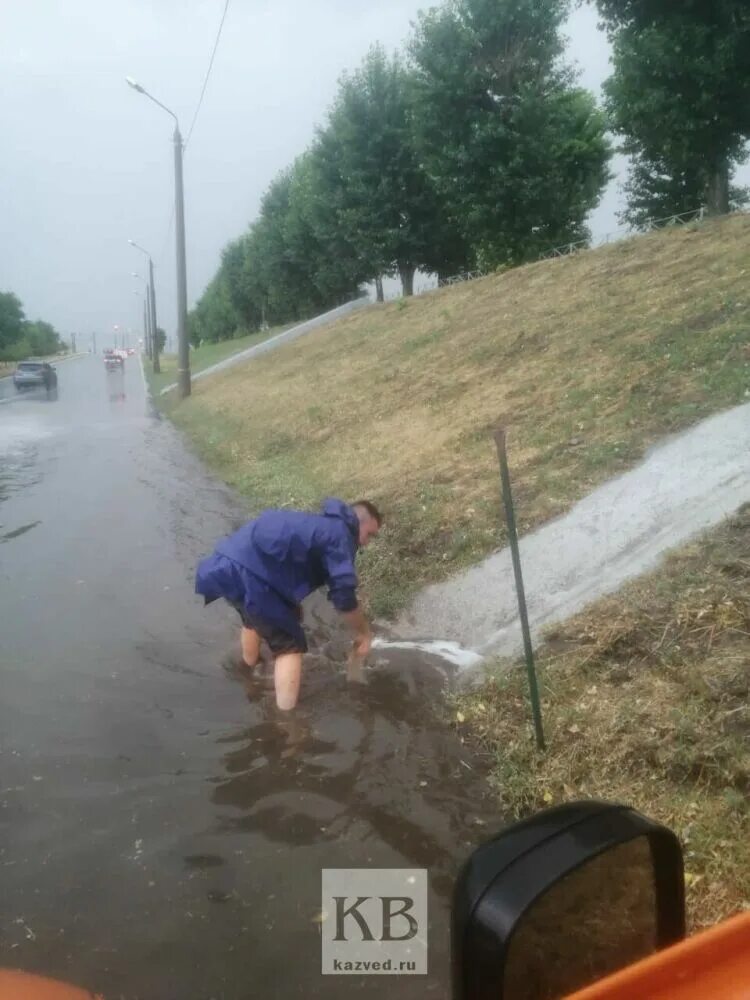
{"type": "Point", "coordinates": [207, 77]}
{"type": "Point", "coordinates": [208, 73]}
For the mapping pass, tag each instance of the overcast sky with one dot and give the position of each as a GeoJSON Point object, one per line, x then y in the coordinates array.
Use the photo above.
{"type": "Point", "coordinates": [86, 163]}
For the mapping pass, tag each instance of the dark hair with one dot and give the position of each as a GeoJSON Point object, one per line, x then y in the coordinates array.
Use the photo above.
{"type": "Point", "coordinates": [371, 509]}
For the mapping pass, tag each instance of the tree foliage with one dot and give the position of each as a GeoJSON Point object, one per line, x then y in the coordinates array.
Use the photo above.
{"type": "Point", "coordinates": [42, 338]}
{"type": "Point", "coordinates": [20, 338]}
{"type": "Point", "coordinates": [517, 151]}
{"type": "Point", "coordinates": [657, 189]}
{"type": "Point", "coordinates": [291, 263]}
{"type": "Point", "coordinates": [388, 207]}
{"type": "Point", "coordinates": [213, 318]}
{"type": "Point", "coordinates": [479, 147]}
{"type": "Point", "coordinates": [11, 319]}
{"type": "Point", "coordinates": [680, 96]}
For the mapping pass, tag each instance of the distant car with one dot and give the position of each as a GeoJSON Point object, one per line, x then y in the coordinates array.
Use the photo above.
{"type": "Point", "coordinates": [131, 352]}
{"type": "Point", "coordinates": [113, 358]}
{"type": "Point", "coordinates": [33, 373]}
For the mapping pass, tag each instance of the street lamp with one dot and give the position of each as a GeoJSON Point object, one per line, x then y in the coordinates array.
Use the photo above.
{"type": "Point", "coordinates": [183, 359]}
{"type": "Point", "coordinates": [146, 317]}
{"type": "Point", "coordinates": [154, 352]}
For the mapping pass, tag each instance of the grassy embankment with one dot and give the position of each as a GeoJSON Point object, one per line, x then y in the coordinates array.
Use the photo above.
{"type": "Point", "coordinates": [646, 700]}
{"type": "Point", "coordinates": [590, 358]}
{"type": "Point", "coordinates": [203, 357]}
{"type": "Point", "coordinates": [8, 367]}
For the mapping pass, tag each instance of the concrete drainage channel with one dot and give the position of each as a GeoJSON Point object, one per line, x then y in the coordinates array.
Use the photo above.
{"type": "Point", "coordinates": [686, 485]}
{"type": "Point", "coordinates": [277, 341]}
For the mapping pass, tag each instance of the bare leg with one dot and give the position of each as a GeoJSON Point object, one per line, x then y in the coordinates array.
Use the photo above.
{"type": "Point", "coordinates": [287, 676]}
{"type": "Point", "coordinates": [250, 642]}
{"type": "Point", "coordinates": [355, 669]}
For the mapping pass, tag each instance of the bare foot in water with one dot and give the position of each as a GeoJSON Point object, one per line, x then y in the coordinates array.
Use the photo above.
{"type": "Point", "coordinates": [355, 670]}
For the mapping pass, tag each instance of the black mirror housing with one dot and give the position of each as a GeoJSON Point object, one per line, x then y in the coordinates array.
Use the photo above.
{"type": "Point", "coordinates": [508, 877]}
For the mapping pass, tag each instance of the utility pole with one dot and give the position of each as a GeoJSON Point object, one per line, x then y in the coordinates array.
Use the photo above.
{"type": "Point", "coordinates": [93, 342]}
{"type": "Point", "coordinates": [73, 342]}
{"type": "Point", "coordinates": [154, 332]}
{"type": "Point", "coordinates": [148, 323]}
{"type": "Point", "coordinates": [183, 348]}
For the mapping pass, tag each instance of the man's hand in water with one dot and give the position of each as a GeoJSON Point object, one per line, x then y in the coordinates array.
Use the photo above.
{"type": "Point", "coordinates": [362, 644]}
{"type": "Point", "coordinates": [362, 633]}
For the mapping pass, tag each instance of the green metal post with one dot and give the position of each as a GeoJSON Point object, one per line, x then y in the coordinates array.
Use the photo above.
{"type": "Point", "coordinates": [510, 517]}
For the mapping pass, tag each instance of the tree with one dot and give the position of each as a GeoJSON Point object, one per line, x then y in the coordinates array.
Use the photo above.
{"type": "Point", "coordinates": [161, 340]}
{"type": "Point", "coordinates": [387, 205]}
{"type": "Point", "coordinates": [517, 152]}
{"type": "Point", "coordinates": [213, 317]}
{"type": "Point", "coordinates": [243, 296]}
{"type": "Point", "coordinates": [42, 338]}
{"type": "Point", "coordinates": [341, 267]}
{"type": "Point", "coordinates": [680, 95]}
{"type": "Point", "coordinates": [11, 319]}
{"type": "Point", "coordinates": [656, 189]}
{"type": "Point", "coordinates": [268, 268]}
{"type": "Point", "coordinates": [278, 270]}
{"type": "Point", "coordinates": [331, 272]}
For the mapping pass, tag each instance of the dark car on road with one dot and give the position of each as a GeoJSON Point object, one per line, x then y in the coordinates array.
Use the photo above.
{"type": "Point", "coordinates": [34, 373]}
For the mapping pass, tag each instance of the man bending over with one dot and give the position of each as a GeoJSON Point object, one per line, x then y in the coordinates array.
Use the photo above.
{"type": "Point", "coordinates": [267, 568]}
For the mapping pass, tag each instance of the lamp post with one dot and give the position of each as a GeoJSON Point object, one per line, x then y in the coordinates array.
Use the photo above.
{"type": "Point", "coordinates": [151, 290]}
{"type": "Point", "coordinates": [146, 320]}
{"type": "Point", "coordinates": [148, 326]}
{"type": "Point", "coordinates": [183, 348]}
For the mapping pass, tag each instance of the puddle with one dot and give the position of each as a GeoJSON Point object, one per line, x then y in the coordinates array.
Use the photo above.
{"type": "Point", "coordinates": [17, 532]}
{"type": "Point", "coordinates": [16, 434]}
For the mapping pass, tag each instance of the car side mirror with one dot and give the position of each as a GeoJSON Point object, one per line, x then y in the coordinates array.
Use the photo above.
{"type": "Point", "coordinates": [559, 900]}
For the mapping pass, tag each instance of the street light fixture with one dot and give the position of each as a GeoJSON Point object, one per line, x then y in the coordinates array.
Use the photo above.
{"type": "Point", "coordinates": [147, 339]}
{"type": "Point", "coordinates": [183, 362]}
{"type": "Point", "coordinates": [153, 349]}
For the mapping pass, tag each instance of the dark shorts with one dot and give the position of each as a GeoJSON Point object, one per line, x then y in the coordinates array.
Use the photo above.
{"type": "Point", "coordinates": [277, 639]}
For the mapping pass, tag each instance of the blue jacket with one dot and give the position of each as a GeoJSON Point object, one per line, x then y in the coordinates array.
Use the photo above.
{"type": "Point", "coordinates": [272, 563]}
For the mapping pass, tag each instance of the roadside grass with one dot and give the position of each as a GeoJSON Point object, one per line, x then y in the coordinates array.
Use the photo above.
{"type": "Point", "coordinates": [203, 357]}
{"type": "Point", "coordinates": [8, 367]}
{"type": "Point", "coordinates": [590, 359]}
{"type": "Point", "coordinates": [646, 700]}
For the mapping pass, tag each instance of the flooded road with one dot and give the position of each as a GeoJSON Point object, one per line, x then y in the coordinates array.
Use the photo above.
{"type": "Point", "coordinates": [162, 831]}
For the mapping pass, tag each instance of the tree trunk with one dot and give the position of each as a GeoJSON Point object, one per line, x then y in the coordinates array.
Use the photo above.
{"type": "Point", "coordinates": [717, 190]}
{"type": "Point", "coordinates": [406, 271]}
{"type": "Point", "coordinates": [379, 290]}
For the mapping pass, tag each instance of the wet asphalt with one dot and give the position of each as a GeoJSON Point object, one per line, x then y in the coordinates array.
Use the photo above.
{"type": "Point", "coordinates": [162, 830]}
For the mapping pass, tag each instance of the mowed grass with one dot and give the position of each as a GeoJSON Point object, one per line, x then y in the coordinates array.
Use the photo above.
{"type": "Point", "coordinates": [590, 360]}
{"type": "Point", "coordinates": [646, 701]}
{"type": "Point", "coordinates": [203, 357]}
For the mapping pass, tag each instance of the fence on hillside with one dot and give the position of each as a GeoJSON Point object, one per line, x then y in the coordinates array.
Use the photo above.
{"type": "Point", "coordinates": [458, 278]}
{"type": "Point", "coordinates": [697, 215]}
{"type": "Point", "coordinates": [567, 249]}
